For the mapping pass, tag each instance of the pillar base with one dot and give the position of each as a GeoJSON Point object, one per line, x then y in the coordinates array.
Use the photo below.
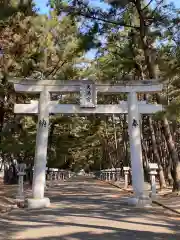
{"type": "Point", "coordinates": [38, 203]}
{"type": "Point", "coordinates": [20, 198]}
{"type": "Point", "coordinates": [153, 196]}
{"type": "Point", "coordinates": [140, 202]}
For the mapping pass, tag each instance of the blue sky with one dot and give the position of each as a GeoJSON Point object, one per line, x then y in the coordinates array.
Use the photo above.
{"type": "Point", "coordinates": [41, 4]}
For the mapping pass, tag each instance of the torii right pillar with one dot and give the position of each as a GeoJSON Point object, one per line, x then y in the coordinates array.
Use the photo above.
{"type": "Point", "coordinates": [139, 199]}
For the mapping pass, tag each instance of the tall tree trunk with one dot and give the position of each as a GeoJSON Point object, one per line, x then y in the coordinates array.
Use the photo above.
{"type": "Point", "coordinates": [149, 55]}
{"type": "Point", "coordinates": [169, 174]}
{"type": "Point", "coordinates": [162, 181]}
{"type": "Point", "coordinates": [125, 142]}
{"type": "Point", "coordinates": [174, 155]}
{"type": "Point", "coordinates": [115, 139]}
{"type": "Point", "coordinates": [145, 150]}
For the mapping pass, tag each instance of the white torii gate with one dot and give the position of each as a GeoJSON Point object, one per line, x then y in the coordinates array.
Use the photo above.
{"type": "Point", "coordinates": [88, 105]}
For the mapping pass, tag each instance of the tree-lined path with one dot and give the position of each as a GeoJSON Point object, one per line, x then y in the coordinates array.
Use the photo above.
{"type": "Point", "coordinates": [94, 88]}
{"type": "Point", "coordinates": [87, 209]}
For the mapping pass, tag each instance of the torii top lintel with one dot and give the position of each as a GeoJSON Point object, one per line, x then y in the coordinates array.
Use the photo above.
{"type": "Point", "coordinates": [36, 86]}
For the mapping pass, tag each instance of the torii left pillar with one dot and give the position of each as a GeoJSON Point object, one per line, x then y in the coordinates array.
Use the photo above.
{"type": "Point", "coordinates": [39, 177]}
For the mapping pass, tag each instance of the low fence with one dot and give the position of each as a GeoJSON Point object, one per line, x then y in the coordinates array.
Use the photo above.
{"type": "Point", "coordinates": [124, 175]}
{"type": "Point", "coordinates": [53, 174]}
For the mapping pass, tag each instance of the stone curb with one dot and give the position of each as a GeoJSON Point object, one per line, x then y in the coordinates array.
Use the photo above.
{"type": "Point", "coordinates": [154, 201]}
{"type": "Point", "coordinates": [166, 207]}
{"type": "Point", "coordinates": [110, 183]}
{"type": "Point", "coordinates": [5, 209]}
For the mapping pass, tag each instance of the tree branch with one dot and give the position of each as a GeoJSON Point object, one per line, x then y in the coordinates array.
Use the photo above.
{"type": "Point", "coordinates": [56, 68]}
{"type": "Point", "coordinates": [156, 7]}
{"type": "Point", "coordinates": [73, 11]}
{"type": "Point", "coordinates": [147, 5]}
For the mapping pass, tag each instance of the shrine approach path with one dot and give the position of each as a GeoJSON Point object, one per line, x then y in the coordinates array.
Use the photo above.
{"type": "Point", "coordinates": [88, 209]}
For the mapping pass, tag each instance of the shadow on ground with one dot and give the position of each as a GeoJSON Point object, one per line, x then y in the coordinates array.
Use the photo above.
{"type": "Point", "coordinates": [89, 210]}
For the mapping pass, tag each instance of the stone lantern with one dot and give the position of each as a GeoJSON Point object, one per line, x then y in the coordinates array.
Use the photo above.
{"type": "Point", "coordinates": [21, 173]}
{"type": "Point", "coordinates": [153, 172]}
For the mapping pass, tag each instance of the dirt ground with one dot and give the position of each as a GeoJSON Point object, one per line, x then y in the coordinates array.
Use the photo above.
{"type": "Point", "coordinates": [89, 209]}
{"type": "Point", "coordinates": [8, 197]}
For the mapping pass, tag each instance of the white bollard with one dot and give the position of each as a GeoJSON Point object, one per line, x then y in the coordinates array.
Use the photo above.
{"type": "Point", "coordinates": [51, 176]}
{"type": "Point", "coordinates": [106, 174]}
{"type": "Point", "coordinates": [109, 175]}
{"type": "Point", "coordinates": [56, 174]}
{"type": "Point", "coordinates": [126, 176]}
{"type": "Point", "coordinates": [110, 170]}
{"type": "Point", "coordinates": [118, 174]}
{"type": "Point", "coordinates": [63, 175]}
{"type": "Point", "coordinates": [113, 174]}
{"type": "Point", "coordinates": [102, 174]}
{"type": "Point", "coordinates": [59, 175]}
